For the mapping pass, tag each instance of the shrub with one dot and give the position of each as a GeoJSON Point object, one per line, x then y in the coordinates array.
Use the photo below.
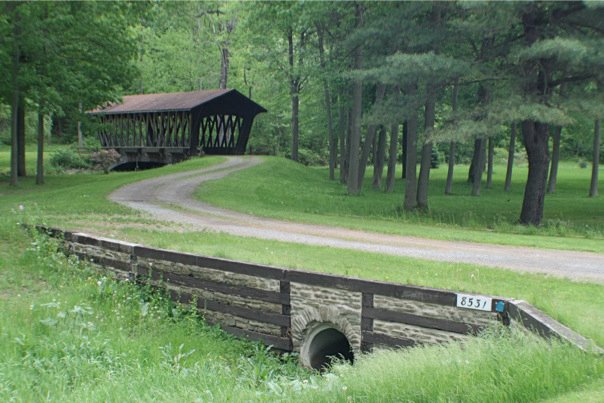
{"type": "Point", "coordinates": [309, 157]}
{"type": "Point", "coordinates": [435, 158]}
{"type": "Point", "coordinates": [68, 158]}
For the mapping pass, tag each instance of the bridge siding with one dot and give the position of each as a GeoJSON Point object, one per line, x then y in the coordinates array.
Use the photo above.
{"type": "Point", "coordinates": [219, 125]}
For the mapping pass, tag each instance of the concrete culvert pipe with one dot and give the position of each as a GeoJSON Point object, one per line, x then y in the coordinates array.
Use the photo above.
{"type": "Point", "coordinates": [322, 344]}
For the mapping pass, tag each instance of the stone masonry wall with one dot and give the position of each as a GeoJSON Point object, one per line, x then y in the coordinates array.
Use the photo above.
{"type": "Point", "coordinates": [281, 307]}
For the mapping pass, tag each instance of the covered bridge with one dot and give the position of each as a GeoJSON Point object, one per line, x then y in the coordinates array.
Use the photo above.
{"type": "Point", "coordinates": [170, 127]}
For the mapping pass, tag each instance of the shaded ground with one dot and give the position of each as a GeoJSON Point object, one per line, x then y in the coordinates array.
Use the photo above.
{"type": "Point", "coordinates": [170, 198]}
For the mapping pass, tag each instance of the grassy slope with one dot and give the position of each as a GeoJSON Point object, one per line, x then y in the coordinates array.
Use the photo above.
{"type": "Point", "coordinates": [71, 199]}
{"type": "Point", "coordinates": [68, 334]}
{"type": "Point", "coordinates": [68, 197]}
{"type": "Point", "coordinates": [286, 190]}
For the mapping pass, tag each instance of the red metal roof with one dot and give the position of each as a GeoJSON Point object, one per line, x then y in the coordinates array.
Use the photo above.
{"type": "Point", "coordinates": [173, 101]}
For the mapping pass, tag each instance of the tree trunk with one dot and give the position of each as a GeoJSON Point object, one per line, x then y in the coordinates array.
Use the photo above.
{"type": "Point", "coordinates": [476, 158]}
{"type": "Point", "coordinates": [224, 67]}
{"type": "Point", "coordinates": [21, 169]}
{"type": "Point", "coordinates": [333, 141]}
{"type": "Point", "coordinates": [370, 138]}
{"type": "Point", "coordinates": [378, 159]}
{"type": "Point", "coordinates": [357, 98]}
{"type": "Point", "coordinates": [449, 184]}
{"type": "Point", "coordinates": [411, 163]}
{"type": "Point", "coordinates": [478, 166]}
{"type": "Point", "coordinates": [452, 145]}
{"type": "Point", "coordinates": [333, 144]}
{"type": "Point", "coordinates": [426, 161]}
{"type": "Point", "coordinates": [595, 163]}
{"type": "Point", "coordinates": [80, 136]}
{"type": "Point", "coordinates": [295, 99]}
{"type": "Point", "coordinates": [535, 136]}
{"type": "Point", "coordinates": [404, 153]}
{"type": "Point", "coordinates": [553, 173]}
{"type": "Point", "coordinates": [392, 154]}
{"type": "Point", "coordinates": [295, 126]}
{"type": "Point", "coordinates": [490, 157]}
{"type": "Point", "coordinates": [40, 156]}
{"type": "Point", "coordinates": [343, 131]}
{"type": "Point", "coordinates": [15, 101]}
{"type": "Point", "coordinates": [511, 151]}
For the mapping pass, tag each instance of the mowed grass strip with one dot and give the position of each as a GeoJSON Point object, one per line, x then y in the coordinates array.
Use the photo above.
{"type": "Point", "coordinates": [71, 334]}
{"type": "Point", "coordinates": [283, 189]}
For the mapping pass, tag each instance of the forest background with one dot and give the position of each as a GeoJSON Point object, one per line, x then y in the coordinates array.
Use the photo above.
{"type": "Point", "coordinates": [346, 84]}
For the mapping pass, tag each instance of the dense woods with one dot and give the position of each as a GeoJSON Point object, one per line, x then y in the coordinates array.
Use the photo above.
{"type": "Point", "coordinates": [348, 84]}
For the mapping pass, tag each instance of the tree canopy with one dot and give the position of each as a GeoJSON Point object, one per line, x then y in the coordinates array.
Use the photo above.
{"type": "Point", "coordinates": [339, 78]}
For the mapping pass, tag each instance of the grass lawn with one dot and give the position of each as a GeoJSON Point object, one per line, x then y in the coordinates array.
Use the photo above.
{"type": "Point", "coordinates": [283, 189]}
{"type": "Point", "coordinates": [67, 333]}
{"type": "Point", "coordinates": [30, 159]}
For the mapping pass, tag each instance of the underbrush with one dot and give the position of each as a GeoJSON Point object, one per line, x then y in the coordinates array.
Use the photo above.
{"type": "Point", "coordinates": [70, 333]}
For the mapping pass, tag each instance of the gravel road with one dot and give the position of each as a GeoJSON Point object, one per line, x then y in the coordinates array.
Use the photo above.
{"type": "Point", "coordinates": [170, 198]}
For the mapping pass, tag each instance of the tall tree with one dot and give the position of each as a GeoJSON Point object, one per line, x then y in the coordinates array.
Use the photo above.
{"type": "Point", "coordinates": [378, 159]}
{"type": "Point", "coordinates": [332, 139]}
{"type": "Point", "coordinates": [555, 133]}
{"type": "Point", "coordinates": [357, 104]}
{"type": "Point", "coordinates": [452, 143]}
{"type": "Point", "coordinates": [557, 51]}
{"type": "Point", "coordinates": [490, 158]}
{"type": "Point", "coordinates": [510, 164]}
{"type": "Point", "coordinates": [57, 57]}
{"type": "Point", "coordinates": [392, 157]}
{"type": "Point", "coordinates": [426, 154]}
{"type": "Point", "coordinates": [595, 162]}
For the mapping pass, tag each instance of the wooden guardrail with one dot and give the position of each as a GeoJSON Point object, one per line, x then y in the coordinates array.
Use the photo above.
{"type": "Point", "coordinates": [278, 306]}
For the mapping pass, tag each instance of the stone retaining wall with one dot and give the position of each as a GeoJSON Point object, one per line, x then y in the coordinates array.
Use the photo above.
{"type": "Point", "coordinates": [279, 306]}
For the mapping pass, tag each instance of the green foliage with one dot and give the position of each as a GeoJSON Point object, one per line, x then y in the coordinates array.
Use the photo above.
{"type": "Point", "coordinates": [310, 157]}
{"type": "Point", "coordinates": [436, 157]}
{"type": "Point", "coordinates": [68, 158]}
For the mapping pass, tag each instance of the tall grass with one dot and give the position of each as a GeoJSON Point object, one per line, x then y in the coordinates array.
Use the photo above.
{"type": "Point", "coordinates": [506, 367]}
{"type": "Point", "coordinates": [68, 333]}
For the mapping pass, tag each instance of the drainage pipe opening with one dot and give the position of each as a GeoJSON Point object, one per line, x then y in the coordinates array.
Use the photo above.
{"type": "Point", "coordinates": [324, 345]}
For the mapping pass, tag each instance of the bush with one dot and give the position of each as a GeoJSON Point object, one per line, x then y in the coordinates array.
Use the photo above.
{"type": "Point", "coordinates": [68, 158]}
{"type": "Point", "coordinates": [309, 157]}
{"type": "Point", "coordinates": [435, 158]}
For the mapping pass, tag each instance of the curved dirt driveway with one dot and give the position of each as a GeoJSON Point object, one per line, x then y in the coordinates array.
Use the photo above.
{"type": "Point", "coordinates": [170, 198]}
